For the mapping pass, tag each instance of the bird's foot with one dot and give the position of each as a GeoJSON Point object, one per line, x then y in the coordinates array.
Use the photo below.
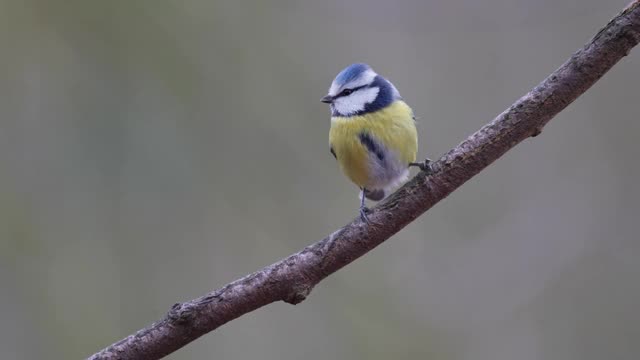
{"type": "Point", "coordinates": [363, 214]}
{"type": "Point", "coordinates": [424, 166]}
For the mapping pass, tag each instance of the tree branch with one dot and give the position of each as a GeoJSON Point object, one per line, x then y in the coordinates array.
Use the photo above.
{"type": "Point", "coordinates": [292, 278]}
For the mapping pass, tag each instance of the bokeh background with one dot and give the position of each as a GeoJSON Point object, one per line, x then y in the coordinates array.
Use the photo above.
{"type": "Point", "coordinates": [151, 151]}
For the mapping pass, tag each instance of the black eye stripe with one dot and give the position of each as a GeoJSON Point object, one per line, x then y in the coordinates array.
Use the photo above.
{"type": "Point", "coordinates": [347, 92]}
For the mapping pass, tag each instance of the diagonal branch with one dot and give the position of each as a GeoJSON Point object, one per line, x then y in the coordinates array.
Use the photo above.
{"type": "Point", "coordinates": [292, 278]}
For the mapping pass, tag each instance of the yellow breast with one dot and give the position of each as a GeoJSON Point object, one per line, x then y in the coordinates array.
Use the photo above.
{"type": "Point", "coordinates": [392, 127]}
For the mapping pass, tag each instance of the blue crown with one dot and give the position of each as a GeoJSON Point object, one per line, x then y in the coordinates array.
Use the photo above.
{"type": "Point", "coordinates": [351, 73]}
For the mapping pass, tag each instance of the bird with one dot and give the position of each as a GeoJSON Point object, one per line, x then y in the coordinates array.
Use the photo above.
{"type": "Point", "coordinates": [373, 133]}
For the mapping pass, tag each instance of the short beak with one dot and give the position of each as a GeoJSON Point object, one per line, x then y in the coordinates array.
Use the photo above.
{"type": "Point", "coordinates": [327, 99]}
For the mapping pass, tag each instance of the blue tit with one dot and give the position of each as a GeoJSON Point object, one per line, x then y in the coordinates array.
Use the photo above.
{"type": "Point", "coordinates": [373, 133]}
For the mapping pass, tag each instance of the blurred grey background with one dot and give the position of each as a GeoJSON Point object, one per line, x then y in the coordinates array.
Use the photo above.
{"type": "Point", "coordinates": [151, 151]}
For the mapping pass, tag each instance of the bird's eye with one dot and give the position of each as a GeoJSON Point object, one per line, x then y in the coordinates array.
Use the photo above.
{"type": "Point", "coordinates": [346, 92]}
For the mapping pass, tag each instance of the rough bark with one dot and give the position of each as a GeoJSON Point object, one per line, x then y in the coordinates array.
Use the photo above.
{"type": "Point", "coordinates": [292, 278]}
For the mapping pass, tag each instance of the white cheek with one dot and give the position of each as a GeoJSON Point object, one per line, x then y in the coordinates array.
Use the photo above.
{"type": "Point", "coordinates": [348, 105]}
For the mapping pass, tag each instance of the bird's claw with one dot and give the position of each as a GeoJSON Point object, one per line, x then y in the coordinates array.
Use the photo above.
{"type": "Point", "coordinates": [424, 166]}
{"type": "Point", "coordinates": [363, 214]}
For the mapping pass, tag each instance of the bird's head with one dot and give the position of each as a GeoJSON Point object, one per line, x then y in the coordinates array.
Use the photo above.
{"type": "Point", "coordinates": [359, 90]}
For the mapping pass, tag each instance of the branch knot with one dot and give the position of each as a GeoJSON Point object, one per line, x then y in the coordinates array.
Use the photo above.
{"type": "Point", "coordinates": [180, 314]}
{"type": "Point", "coordinates": [298, 293]}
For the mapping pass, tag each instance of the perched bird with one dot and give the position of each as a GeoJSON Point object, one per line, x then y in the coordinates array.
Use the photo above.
{"type": "Point", "coordinates": [373, 134]}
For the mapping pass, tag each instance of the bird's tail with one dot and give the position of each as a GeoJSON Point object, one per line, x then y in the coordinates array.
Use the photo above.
{"type": "Point", "coordinates": [375, 195]}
